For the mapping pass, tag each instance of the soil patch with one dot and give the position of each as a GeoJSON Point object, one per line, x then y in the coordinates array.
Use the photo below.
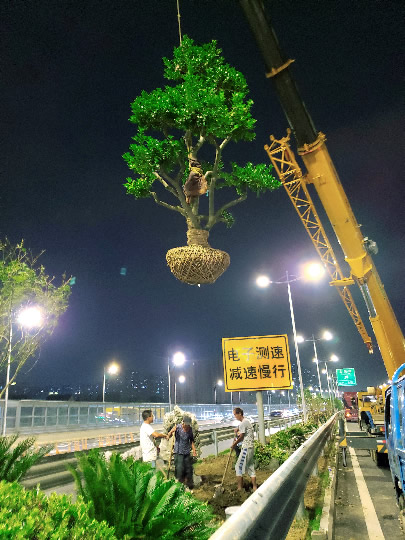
{"type": "Point", "coordinates": [211, 471]}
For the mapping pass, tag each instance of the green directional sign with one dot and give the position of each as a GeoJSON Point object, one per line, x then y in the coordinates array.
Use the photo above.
{"type": "Point", "coordinates": [346, 377]}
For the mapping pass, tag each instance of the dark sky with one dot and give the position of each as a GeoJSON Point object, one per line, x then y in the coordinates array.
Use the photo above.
{"type": "Point", "coordinates": [69, 71]}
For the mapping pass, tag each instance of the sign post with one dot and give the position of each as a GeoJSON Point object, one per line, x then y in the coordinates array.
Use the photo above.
{"type": "Point", "coordinates": [257, 363]}
{"type": "Point", "coordinates": [346, 377]}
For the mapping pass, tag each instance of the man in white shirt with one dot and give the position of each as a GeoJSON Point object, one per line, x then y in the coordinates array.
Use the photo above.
{"type": "Point", "coordinates": [147, 436]}
{"type": "Point", "coordinates": [245, 461]}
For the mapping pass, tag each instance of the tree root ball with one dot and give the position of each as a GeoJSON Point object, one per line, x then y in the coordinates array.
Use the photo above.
{"type": "Point", "coordinates": [196, 264]}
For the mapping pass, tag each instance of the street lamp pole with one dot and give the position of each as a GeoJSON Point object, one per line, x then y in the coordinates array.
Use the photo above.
{"type": "Point", "coordinates": [30, 317]}
{"type": "Point", "coordinates": [297, 354]}
{"type": "Point", "coordinates": [218, 383]}
{"type": "Point", "coordinates": [112, 370]}
{"type": "Point", "coordinates": [327, 378]}
{"type": "Point", "coordinates": [317, 364]}
{"type": "Point", "coordinates": [10, 337]}
{"type": "Point", "coordinates": [169, 383]}
{"type": "Point", "coordinates": [104, 384]}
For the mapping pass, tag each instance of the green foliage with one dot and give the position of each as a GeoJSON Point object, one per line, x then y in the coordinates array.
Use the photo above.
{"type": "Point", "coordinates": [315, 522]}
{"type": "Point", "coordinates": [256, 178]}
{"type": "Point", "coordinates": [32, 515]}
{"type": "Point", "coordinates": [137, 501]}
{"type": "Point", "coordinates": [16, 459]}
{"type": "Point", "coordinates": [205, 104]}
{"type": "Point", "coordinates": [319, 409]}
{"type": "Point", "coordinates": [23, 283]}
{"type": "Point", "coordinates": [228, 219]}
{"type": "Point", "coordinates": [338, 404]}
{"type": "Point", "coordinates": [282, 443]}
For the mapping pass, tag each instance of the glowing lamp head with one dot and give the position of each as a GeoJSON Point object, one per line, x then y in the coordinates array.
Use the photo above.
{"type": "Point", "coordinates": [30, 317]}
{"type": "Point", "coordinates": [313, 271]}
{"type": "Point", "coordinates": [182, 379]}
{"type": "Point", "coordinates": [113, 369]}
{"type": "Point", "coordinates": [327, 335]}
{"type": "Point", "coordinates": [334, 358]}
{"type": "Point", "coordinates": [263, 281]}
{"type": "Point", "coordinates": [300, 339]}
{"type": "Point", "coordinates": [179, 359]}
{"type": "Point", "coordinates": [220, 383]}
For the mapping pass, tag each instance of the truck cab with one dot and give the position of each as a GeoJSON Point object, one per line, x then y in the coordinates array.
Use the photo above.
{"type": "Point", "coordinates": [371, 409]}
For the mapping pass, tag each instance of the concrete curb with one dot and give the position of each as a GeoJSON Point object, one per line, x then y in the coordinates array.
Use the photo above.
{"type": "Point", "coordinates": [327, 524]}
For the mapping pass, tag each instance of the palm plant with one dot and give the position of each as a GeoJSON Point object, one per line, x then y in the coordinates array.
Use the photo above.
{"type": "Point", "coordinates": [137, 501]}
{"type": "Point", "coordinates": [16, 460]}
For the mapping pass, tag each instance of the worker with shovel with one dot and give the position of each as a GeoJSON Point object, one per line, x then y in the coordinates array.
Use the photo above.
{"type": "Point", "coordinates": [245, 461]}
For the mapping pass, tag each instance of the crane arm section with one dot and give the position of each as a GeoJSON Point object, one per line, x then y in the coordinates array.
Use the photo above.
{"type": "Point", "coordinates": [322, 174]}
{"type": "Point", "coordinates": [289, 172]}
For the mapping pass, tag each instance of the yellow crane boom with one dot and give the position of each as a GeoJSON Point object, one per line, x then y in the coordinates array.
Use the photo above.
{"type": "Point", "coordinates": [322, 174]}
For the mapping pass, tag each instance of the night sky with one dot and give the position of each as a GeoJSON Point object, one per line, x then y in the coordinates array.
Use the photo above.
{"type": "Point", "coordinates": [69, 71]}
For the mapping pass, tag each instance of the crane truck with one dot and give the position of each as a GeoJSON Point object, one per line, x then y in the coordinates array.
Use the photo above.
{"type": "Point", "coordinates": [322, 175]}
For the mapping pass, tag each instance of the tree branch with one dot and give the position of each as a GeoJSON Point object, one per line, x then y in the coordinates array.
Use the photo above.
{"type": "Point", "coordinates": [198, 145]}
{"type": "Point", "coordinates": [169, 206]}
{"type": "Point", "coordinates": [225, 142]}
{"type": "Point", "coordinates": [213, 219]}
{"type": "Point", "coordinates": [165, 184]}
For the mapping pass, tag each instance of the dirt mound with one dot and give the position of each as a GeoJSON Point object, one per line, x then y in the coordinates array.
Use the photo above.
{"type": "Point", "coordinates": [211, 471]}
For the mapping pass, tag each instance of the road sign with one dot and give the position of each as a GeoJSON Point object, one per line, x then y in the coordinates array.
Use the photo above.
{"type": "Point", "coordinates": [346, 377]}
{"type": "Point", "coordinates": [256, 363]}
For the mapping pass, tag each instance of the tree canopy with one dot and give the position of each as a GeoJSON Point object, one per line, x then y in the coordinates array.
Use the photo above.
{"type": "Point", "coordinates": [204, 108]}
{"type": "Point", "coordinates": [24, 284]}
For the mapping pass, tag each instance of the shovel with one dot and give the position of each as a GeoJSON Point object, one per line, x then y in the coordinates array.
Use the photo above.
{"type": "Point", "coordinates": [170, 459]}
{"type": "Point", "coordinates": [219, 488]}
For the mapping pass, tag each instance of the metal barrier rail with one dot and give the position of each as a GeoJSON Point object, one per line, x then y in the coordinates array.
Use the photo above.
{"type": "Point", "coordinates": [270, 510]}
{"type": "Point", "coordinates": [207, 437]}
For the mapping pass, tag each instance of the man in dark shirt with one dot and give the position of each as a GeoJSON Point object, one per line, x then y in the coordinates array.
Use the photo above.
{"type": "Point", "coordinates": [184, 443]}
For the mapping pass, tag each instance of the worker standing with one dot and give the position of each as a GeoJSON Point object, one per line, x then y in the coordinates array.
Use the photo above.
{"type": "Point", "coordinates": [245, 462]}
{"type": "Point", "coordinates": [184, 444]}
{"type": "Point", "coordinates": [147, 436]}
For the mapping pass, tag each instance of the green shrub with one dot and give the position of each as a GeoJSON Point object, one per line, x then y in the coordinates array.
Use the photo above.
{"type": "Point", "coordinates": [282, 443]}
{"type": "Point", "coordinates": [15, 461]}
{"type": "Point", "coordinates": [263, 455]}
{"type": "Point", "coordinates": [32, 515]}
{"type": "Point", "coordinates": [137, 501]}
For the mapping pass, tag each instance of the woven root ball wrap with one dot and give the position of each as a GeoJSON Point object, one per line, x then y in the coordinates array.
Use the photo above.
{"type": "Point", "coordinates": [197, 262]}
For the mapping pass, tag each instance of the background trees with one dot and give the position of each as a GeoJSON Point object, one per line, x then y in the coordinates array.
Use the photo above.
{"type": "Point", "coordinates": [23, 285]}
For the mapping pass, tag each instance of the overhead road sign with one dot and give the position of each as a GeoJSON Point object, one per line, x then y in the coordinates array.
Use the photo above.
{"type": "Point", "coordinates": [346, 377]}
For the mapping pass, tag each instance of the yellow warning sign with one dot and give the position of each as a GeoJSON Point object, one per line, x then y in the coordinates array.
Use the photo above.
{"type": "Point", "coordinates": [256, 363]}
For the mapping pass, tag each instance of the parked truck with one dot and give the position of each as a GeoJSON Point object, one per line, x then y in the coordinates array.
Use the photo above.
{"type": "Point", "coordinates": [395, 436]}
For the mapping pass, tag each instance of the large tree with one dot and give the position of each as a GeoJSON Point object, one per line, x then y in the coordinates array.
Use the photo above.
{"type": "Point", "coordinates": [24, 284]}
{"type": "Point", "coordinates": [182, 131]}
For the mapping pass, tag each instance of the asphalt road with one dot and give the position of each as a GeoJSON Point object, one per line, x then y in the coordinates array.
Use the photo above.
{"type": "Point", "coordinates": [365, 503]}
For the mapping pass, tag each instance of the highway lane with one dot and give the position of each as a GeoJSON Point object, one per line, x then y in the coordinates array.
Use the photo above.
{"type": "Point", "coordinates": [365, 503]}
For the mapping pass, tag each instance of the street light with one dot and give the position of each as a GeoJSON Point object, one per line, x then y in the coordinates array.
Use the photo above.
{"type": "Point", "coordinates": [111, 370]}
{"type": "Point", "coordinates": [182, 379]}
{"type": "Point", "coordinates": [333, 358]}
{"type": "Point", "coordinates": [325, 336]}
{"type": "Point", "coordinates": [218, 383]}
{"type": "Point", "coordinates": [30, 317]}
{"type": "Point", "coordinates": [178, 360]}
{"type": "Point", "coordinates": [309, 274]}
